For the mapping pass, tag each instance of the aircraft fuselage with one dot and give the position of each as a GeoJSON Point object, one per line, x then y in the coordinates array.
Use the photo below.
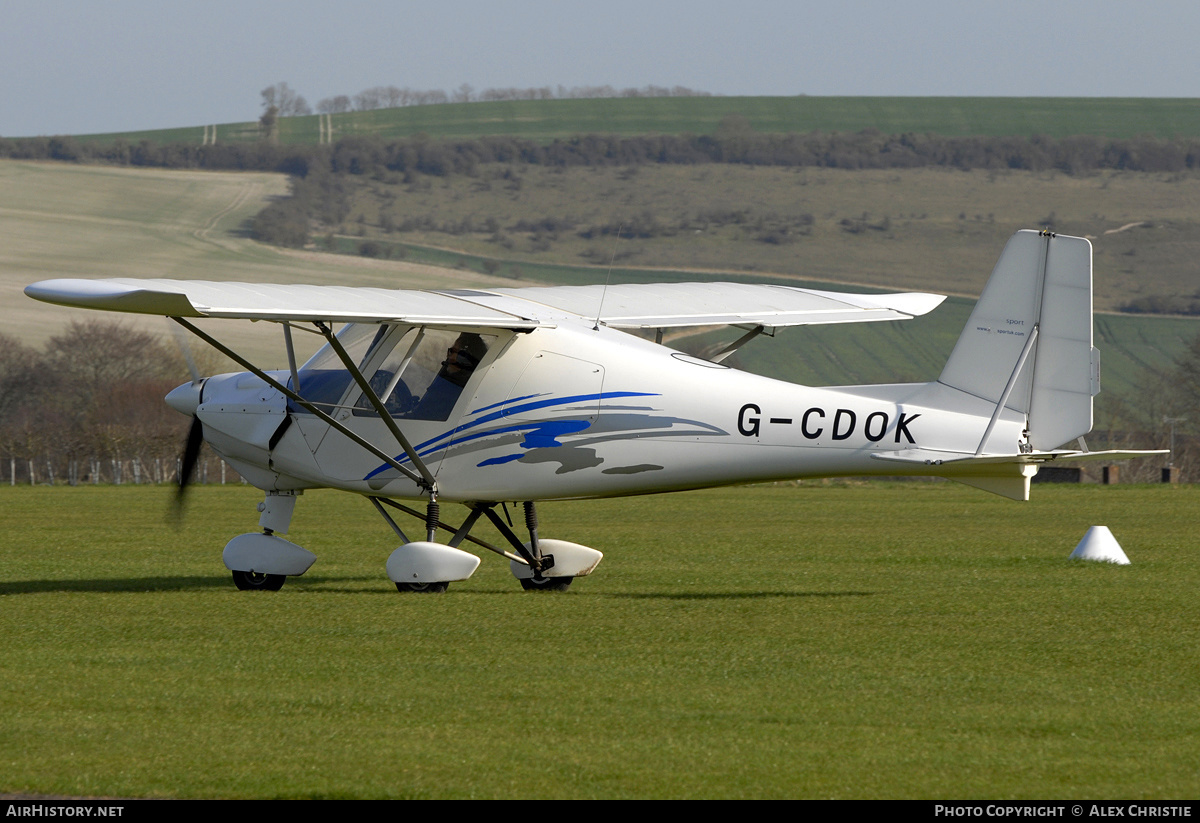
{"type": "Point", "coordinates": [572, 412]}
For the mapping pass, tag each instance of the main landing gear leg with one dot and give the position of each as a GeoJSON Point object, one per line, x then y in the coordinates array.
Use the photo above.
{"type": "Point", "coordinates": [432, 518]}
{"type": "Point", "coordinates": [538, 582]}
{"type": "Point", "coordinates": [532, 573]}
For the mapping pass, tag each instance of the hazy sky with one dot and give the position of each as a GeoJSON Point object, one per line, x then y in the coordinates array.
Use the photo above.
{"type": "Point", "coordinates": [116, 65]}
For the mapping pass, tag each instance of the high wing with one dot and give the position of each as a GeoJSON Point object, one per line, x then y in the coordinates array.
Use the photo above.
{"type": "Point", "coordinates": [630, 306]}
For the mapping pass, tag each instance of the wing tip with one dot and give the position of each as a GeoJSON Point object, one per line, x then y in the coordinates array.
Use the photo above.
{"type": "Point", "coordinates": [111, 295]}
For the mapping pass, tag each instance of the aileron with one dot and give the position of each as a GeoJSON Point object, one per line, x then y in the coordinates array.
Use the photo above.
{"type": "Point", "coordinates": [268, 301]}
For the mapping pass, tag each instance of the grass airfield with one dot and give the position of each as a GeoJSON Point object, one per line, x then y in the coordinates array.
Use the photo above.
{"type": "Point", "coordinates": [821, 640]}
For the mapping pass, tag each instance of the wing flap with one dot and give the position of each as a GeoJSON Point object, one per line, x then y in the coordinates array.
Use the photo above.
{"type": "Point", "coordinates": [666, 305]}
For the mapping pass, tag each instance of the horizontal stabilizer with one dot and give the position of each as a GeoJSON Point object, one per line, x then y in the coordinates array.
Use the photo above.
{"type": "Point", "coordinates": [1007, 475]}
{"type": "Point", "coordinates": [933, 457]}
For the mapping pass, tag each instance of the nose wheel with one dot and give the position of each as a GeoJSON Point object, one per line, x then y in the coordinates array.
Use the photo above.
{"type": "Point", "coordinates": [546, 584]}
{"type": "Point", "coordinates": [424, 588]}
{"type": "Point", "coordinates": [253, 581]}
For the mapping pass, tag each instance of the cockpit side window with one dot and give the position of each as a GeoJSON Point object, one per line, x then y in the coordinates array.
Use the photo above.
{"type": "Point", "coordinates": [425, 372]}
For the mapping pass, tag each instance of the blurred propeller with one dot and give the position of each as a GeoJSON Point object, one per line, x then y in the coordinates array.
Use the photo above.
{"type": "Point", "coordinates": [186, 398]}
{"type": "Point", "coordinates": [187, 462]}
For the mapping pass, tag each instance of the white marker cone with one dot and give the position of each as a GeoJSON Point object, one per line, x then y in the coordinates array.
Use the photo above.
{"type": "Point", "coordinates": [1099, 544]}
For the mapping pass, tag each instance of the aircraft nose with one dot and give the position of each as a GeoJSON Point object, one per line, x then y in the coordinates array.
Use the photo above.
{"type": "Point", "coordinates": [185, 399]}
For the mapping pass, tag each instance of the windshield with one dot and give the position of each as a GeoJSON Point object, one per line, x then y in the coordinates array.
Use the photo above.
{"type": "Point", "coordinates": [323, 379]}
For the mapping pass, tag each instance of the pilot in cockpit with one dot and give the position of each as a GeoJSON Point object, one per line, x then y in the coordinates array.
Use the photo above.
{"type": "Point", "coordinates": [443, 392]}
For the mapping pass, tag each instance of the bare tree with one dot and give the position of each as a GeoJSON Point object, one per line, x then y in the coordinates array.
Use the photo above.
{"type": "Point", "coordinates": [284, 100]}
{"type": "Point", "coordinates": [334, 105]}
{"type": "Point", "coordinates": [369, 99]}
{"type": "Point", "coordinates": [268, 122]}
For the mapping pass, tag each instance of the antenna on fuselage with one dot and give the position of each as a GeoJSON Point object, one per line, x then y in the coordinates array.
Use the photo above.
{"type": "Point", "coordinates": [604, 291]}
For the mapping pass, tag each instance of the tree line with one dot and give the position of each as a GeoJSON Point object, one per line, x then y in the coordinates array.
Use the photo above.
{"type": "Point", "coordinates": [88, 407]}
{"type": "Point", "coordinates": [323, 175]}
{"type": "Point", "coordinates": [867, 149]}
{"type": "Point", "coordinates": [286, 102]}
{"type": "Point", "coordinates": [320, 195]}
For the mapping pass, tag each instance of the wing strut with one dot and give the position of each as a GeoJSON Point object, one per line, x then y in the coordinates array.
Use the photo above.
{"type": "Point", "coordinates": [275, 384]}
{"type": "Point", "coordinates": [737, 344]}
{"type": "Point", "coordinates": [291, 353]}
{"type": "Point", "coordinates": [430, 482]}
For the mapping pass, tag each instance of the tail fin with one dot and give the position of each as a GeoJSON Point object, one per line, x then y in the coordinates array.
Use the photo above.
{"type": "Point", "coordinates": [1028, 343]}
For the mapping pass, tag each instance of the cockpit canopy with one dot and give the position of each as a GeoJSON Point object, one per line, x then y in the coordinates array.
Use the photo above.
{"type": "Point", "coordinates": [419, 372]}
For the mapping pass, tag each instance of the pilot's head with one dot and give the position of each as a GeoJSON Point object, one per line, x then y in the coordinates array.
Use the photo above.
{"type": "Point", "coordinates": [465, 354]}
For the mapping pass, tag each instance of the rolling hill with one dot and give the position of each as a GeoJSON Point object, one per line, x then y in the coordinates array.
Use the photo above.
{"type": "Point", "coordinates": [545, 120]}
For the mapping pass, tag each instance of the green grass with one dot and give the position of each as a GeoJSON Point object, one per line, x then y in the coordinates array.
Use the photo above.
{"type": "Point", "coordinates": [549, 119]}
{"type": "Point", "coordinates": [840, 640]}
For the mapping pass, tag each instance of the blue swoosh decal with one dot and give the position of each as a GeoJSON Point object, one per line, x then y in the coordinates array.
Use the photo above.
{"type": "Point", "coordinates": [435, 443]}
{"type": "Point", "coordinates": [506, 402]}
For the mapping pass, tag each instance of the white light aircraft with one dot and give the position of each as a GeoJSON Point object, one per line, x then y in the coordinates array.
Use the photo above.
{"type": "Point", "coordinates": [477, 397]}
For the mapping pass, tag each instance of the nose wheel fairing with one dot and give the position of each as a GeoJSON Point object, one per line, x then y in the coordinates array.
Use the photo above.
{"type": "Point", "coordinates": [261, 553]}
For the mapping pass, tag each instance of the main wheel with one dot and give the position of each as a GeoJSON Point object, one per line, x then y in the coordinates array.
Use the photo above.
{"type": "Point", "coordinates": [426, 588]}
{"type": "Point", "coordinates": [546, 584]}
{"type": "Point", "coordinates": [253, 581]}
